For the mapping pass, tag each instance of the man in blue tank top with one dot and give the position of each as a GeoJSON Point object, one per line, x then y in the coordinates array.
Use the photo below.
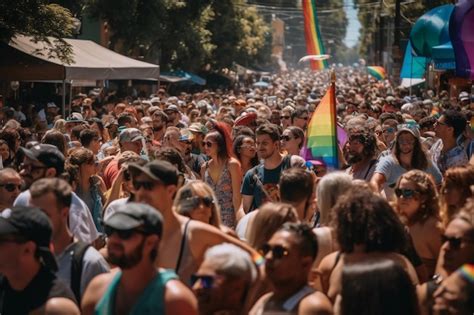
{"type": "Point", "coordinates": [137, 287]}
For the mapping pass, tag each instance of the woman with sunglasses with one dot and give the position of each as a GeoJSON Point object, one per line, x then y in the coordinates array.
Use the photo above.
{"type": "Point", "coordinates": [197, 201]}
{"type": "Point", "coordinates": [455, 190]}
{"type": "Point", "coordinates": [222, 172]}
{"type": "Point", "coordinates": [82, 169]}
{"type": "Point", "coordinates": [417, 204]}
{"type": "Point", "coordinates": [457, 249]}
{"type": "Point", "coordinates": [406, 154]}
{"type": "Point", "coordinates": [292, 140]}
{"type": "Point", "coordinates": [285, 117]}
{"type": "Point", "coordinates": [246, 152]}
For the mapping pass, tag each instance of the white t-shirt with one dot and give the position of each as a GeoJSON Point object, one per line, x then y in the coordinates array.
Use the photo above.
{"type": "Point", "coordinates": [81, 223]}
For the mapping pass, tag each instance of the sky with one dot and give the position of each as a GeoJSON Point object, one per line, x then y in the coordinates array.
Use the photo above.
{"type": "Point", "coordinates": [353, 27]}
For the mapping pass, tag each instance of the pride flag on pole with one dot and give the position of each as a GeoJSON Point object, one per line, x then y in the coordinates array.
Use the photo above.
{"type": "Point", "coordinates": [314, 43]}
{"type": "Point", "coordinates": [377, 72]}
{"type": "Point", "coordinates": [321, 136]}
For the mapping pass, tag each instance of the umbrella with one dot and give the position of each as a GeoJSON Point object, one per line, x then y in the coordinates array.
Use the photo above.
{"type": "Point", "coordinates": [314, 58]}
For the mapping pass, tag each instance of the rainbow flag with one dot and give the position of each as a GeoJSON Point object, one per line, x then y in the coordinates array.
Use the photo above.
{"type": "Point", "coordinates": [377, 72]}
{"type": "Point", "coordinates": [314, 43]}
{"type": "Point", "coordinates": [321, 136]}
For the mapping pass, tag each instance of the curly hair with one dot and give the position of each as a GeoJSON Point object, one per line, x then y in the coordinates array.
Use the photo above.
{"type": "Point", "coordinates": [426, 189]}
{"type": "Point", "coordinates": [363, 218]}
{"type": "Point", "coordinates": [459, 177]}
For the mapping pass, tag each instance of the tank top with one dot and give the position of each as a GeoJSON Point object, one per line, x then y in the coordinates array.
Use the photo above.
{"type": "Point", "coordinates": [186, 265]}
{"type": "Point", "coordinates": [151, 301]}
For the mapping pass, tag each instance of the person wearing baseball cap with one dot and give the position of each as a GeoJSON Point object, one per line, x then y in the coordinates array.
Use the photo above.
{"type": "Point", "coordinates": [46, 161]}
{"type": "Point", "coordinates": [27, 265]}
{"type": "Point", "coordinates": [130, 139]}
{"type": "Point", "coordinates": [406, 154]}
{"type": "Point", "coordinates": [134, 234]}
{"type": "Point", "coordinates": [156, 184]}
{"type": "Point", "coordinates": [174, 116]}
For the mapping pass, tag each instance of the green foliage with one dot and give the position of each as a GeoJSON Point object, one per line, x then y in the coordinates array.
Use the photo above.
{"type": "Point", "coordinates": [183, 34]}
{"type": "Point", "coordinates": [39, 19]}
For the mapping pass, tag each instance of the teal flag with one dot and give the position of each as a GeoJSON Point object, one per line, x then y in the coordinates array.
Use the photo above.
{"type": "Point", "coordinates": [413, 66]}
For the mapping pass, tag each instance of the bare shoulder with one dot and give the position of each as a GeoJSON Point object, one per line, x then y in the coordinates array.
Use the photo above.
{"type": "Point", "coordinates": [316, 303]}
{"type": "Point", "coordinates": [234, 163]}
{"type": "Point", "coordinates": [260, 304]}
{"type": "Point", "coordinates": [61, 306]}
{"type": "Point", "coordinates": [179, 299]}
{"type": "Point", "coordinates": [95, 290]}
{"type": "Point", "coordinates": [327, 263]}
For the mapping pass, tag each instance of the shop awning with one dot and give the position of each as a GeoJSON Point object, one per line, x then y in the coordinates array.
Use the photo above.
{"type": "Point", "coordinates": [23, 59]}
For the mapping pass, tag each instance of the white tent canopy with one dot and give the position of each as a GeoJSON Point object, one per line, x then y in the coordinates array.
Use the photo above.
{"type": "Point", "coordinates": [90, 62]}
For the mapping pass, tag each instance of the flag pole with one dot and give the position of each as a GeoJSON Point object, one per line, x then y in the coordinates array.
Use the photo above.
{"type": "Point", "coordinates": [334, 108]}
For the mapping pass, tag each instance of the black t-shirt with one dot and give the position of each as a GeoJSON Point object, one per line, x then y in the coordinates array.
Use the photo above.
{"type": "Point", "coordinates": [43, 287]}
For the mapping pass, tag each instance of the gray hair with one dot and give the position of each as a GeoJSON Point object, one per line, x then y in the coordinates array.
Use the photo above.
{"type": "Point", "coordinates": [329, 189]}
{"type": "Point", "coordinates": [232, 261]}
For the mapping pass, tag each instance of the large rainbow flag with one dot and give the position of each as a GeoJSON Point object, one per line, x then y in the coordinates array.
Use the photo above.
{"type": "Point", "coordinates": [321, 136]}
{"type": "Point", "coordinates": [314, 43]}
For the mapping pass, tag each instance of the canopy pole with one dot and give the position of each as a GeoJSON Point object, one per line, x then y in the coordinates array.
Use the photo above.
{"type": "Point", "coordinates": [70, 98]}
{"type": "Point", "coordinates": [64, 99]}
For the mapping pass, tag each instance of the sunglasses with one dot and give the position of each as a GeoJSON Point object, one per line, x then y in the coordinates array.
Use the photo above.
{"type": "Point", "coordinates": [195, 201]}
{"type": "Point", "coordinates": [389, 130]}
{"type": "Point", "coordinates": [304, 118]}
{"type": "Point", "coordinates": [405, 193]}
{"type": "Point", "coordinates": [31, 168]}
{"type": "Point", "coordinates": [207, 282]}
{"type": "Point", "coordinates": [404, 142]}
{"type": "Point", "coordinates": [207, 143]}
{"type": "Point", "coordinates": [454, 242]}
{"type": "Point", "coordinates": [10, 187]}
{"type": "Point", "coordinates": [285, 138]}
{"type": "Point", "coordinates": [186, 142]}
{"type": "Point", "coordinates": [122, 234]}
{"type": "Point", "coordinates": [278, 251]}
{"type": "Point", "coordinates": [146, 185]}
{"type": "Point", "coordinates": [284, 117]}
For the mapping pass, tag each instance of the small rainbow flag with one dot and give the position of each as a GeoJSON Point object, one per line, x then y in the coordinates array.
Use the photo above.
{"type": "Point", "coordinates": [321, 136]}
{"type": "Point", "coordinates": [314, 43]}
{"type": "Point", "coordinates": [377, 72]}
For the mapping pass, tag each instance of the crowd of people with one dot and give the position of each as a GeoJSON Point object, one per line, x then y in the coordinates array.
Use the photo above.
{"type": "Point", "coordinates": [203, 203]}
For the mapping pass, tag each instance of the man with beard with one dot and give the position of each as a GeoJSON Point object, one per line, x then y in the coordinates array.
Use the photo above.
{"type": "Point", "coordinates": [159, 121]}
{"type": "Point", "coordinates": [260, 183]}
{"type": "Point", "coordinates": [46, 161]}
{"type": "Point", "coordinates": [361, 156]}
{"type": "Point", "coordinates": [289, 255]}
{"type": "Point", "coordinates": [10, 187]}
{"type": "Point", "coordinates": [134, 234]}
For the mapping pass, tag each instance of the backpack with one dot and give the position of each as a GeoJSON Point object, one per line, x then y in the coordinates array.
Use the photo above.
{"type": "Point", "coordinates": [77, 252]}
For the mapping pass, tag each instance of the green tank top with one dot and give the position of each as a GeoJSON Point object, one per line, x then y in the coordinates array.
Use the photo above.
{"type": "Point", "coordinates": [151, 301]}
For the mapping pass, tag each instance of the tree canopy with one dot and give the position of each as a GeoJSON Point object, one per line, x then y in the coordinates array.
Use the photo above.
{"type": "Point", "coordinates": [183, 34]}
{"type": "Point", "coordinates": [39, 19]}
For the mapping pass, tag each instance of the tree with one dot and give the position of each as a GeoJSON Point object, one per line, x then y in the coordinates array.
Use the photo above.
{"type": "Point", "coordinates": [182, 34]}
{"type": "Point", "coordinates": [41, 20]}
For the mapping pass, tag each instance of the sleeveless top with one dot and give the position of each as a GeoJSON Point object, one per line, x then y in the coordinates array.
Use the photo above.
{"type": "Point", "coordinates": [186, 265]}
{"type": "Point", "coordinates": [223, 191]}
{"type": "Point", "coordinates": [151, 301]}
{"type": "Point", "coordinates": [291, 305]}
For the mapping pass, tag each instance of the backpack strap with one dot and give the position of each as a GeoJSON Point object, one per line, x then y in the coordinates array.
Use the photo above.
{"type": "Point", "coordinates": [77, 252]}
{"type": "Point", "coordinates": [286, 162]}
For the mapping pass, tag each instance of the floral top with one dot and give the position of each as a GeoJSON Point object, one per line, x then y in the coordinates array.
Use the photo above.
{"type": "Point", "coordinates": [223, 190]}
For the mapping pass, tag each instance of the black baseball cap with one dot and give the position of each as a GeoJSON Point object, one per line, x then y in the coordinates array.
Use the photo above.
{"type": "Point", "coordinates": [30, 224]}
{"type": "Point", "coordinates": [47, 154]}
{"type": "Point", "coordinates": [133, 215]}
{"type": "Point", "coordinates": [162, 171]}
